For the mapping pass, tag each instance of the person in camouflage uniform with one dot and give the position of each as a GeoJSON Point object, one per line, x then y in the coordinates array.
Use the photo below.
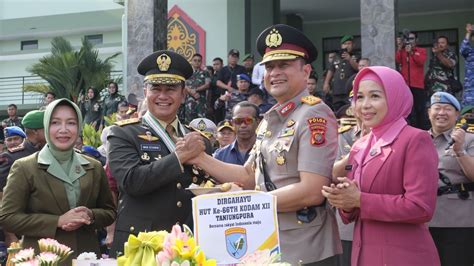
{"type": "Point", "coordinates": [467, 51]}
{"type": "Point", "coordinates": [230, 99]}
{"type": "Point", "coordinates": [442, 65]}
{"type": "Point", "coordinates": [195, 105]}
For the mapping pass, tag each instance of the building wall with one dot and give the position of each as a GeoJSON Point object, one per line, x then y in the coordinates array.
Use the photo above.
{"type": "Point", "coordinates": [211, 15]}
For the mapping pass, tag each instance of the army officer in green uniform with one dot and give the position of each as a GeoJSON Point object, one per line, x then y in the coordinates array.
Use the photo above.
{"type": "Point", "coordinates": [149, 156]}
{"type": "Point", "coordinates": [294, 151]}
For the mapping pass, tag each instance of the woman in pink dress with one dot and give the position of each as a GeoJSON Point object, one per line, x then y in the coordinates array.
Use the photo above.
{"type": "Point", "coordinates": [391, 178]}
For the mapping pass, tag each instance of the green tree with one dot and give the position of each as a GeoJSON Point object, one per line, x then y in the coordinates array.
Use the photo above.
{"type": "Point", "coordinates": [70, 72]}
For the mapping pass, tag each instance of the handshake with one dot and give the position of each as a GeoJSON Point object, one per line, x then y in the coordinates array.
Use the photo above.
{"type": "Point", "coordinates": [190, 147]}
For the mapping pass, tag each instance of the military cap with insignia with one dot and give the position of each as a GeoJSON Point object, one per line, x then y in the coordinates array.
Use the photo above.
{"type": "Point", "coordinates": [283, 42]}
{"type": "Point", "coordinates": [33, 119]}
{"type": "Point", "coordinates": [165, 67]}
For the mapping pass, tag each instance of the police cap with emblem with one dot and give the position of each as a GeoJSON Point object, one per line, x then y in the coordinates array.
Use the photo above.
{"type": "Point", "coordinates": [446, 98]}
{"type": "Point", "coordinates": [283, 42]}
{"type": "Point", "coordinates": [204, 125]}
{"type": "Point", "coordinates": [165, 67]}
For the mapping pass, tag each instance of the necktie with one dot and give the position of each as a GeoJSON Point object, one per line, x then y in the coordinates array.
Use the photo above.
{"type": "Point", "coordinates": [171, 132]}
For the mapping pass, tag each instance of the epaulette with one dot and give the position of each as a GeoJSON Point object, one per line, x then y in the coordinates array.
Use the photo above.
{"type": "Point", "coordinates": [470, 128]}
{"type": "Point", "coordinates": [310, 100]}
{"type": "Point", "coordinates": [344, 129]}
{"type": "Point", "coordinates": [127, 122]}
{"type": "Point", "coordinates": [17, 148]}
{"type": "Point", "coordinates": [197, 130]}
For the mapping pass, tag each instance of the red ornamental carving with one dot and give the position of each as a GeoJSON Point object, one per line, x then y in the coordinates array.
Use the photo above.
{"type": "Point", "coordinates": [185, 36]}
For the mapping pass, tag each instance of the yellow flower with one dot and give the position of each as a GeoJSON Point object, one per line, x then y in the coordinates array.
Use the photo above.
{"type": "Point", "coordinates": [185, 249]}
{"type": "Point", "coordinates": [201, 260]}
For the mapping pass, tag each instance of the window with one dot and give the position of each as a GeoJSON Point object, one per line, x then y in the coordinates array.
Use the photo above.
{"type": "Point", "coordinates": [29, 45]}
{"type": "Point", "coordinates": [95, 39]}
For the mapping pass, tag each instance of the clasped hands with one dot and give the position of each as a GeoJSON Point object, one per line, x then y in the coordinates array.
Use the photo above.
{"type": "Point", "coordinates": [190, 147]}
{"type": "Point", "coordinates": [345, 195]}
{"type": "Point", "coordinates": [75, 218]}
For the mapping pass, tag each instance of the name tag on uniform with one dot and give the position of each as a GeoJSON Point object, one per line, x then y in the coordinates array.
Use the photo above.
{"type": "Point", "coordinates": [150, 147]}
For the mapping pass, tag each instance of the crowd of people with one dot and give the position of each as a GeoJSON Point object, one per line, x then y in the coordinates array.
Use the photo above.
{"type": "Point", "coordinates": [374, 168]}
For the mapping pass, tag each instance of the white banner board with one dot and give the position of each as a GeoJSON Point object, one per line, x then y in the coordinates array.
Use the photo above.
{"type": "Point", "coordinates": [227, 226]}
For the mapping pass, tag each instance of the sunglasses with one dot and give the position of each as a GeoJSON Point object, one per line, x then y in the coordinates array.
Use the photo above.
{"type": "Point", "coordinates": [243, 120]}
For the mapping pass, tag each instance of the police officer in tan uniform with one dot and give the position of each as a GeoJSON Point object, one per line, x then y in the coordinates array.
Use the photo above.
{"type": "Point", "coordinates": [452, 226]}
{"type": "Point", "coordinates": [294, 151]}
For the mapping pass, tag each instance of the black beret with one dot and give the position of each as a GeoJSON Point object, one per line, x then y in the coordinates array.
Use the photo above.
{"type": "Point", "coordinates": [283, 42]}
{"type": "Point", "coordinates": [165, 67]}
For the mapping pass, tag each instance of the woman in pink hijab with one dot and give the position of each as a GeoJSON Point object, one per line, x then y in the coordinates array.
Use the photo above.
{"type": "Point", "coordinates": [391, 178]}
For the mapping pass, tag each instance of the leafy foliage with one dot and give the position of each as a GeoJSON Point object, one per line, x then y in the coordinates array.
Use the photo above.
{"type": "Point", "coordinates": [90, 136]}
{"type": "Point", "coordinates": [70, 72]}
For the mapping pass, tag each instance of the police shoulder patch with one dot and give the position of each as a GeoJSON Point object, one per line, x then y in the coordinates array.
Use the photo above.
{"type": "Point", "coordinates": [344, 129]}
{"type": "Point", "coordinates": [127, 122]}
{"type": "Point", "coordinates": [310, 100]}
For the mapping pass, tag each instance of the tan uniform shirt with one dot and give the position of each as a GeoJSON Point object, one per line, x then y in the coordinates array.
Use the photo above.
{"type": "Point", "coordinates": [344, 142]}
{"type": "Point", "coordinates": [296, 137]}
{"type": "Point", "coordinates": [451, 211]}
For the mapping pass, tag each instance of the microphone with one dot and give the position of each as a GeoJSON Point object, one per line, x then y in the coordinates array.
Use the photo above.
{"type": "Point", "coordinates": [451, 142]}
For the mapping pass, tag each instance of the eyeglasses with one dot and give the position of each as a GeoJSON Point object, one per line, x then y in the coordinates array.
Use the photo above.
{"type": "Point", "coordinates": [243, 120]}
{"type": "Point", "coordinates": [411, 38]}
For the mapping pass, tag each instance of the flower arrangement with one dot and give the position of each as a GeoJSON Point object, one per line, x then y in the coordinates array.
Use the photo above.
{"type": "Point", "coordinates": [51, 254]}
{"type": "Point", "coordinates": [161, 248]}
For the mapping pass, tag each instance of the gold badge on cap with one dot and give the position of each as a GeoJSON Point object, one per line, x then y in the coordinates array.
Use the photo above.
{"type": "Point", "coordinates": [273, 39]}
{"type": "Point", "coordinates": [201, 125]}
{"type": "Point", "coordinates": [164, 62]}
{"type": "Point", "coordinates": [437, 98]}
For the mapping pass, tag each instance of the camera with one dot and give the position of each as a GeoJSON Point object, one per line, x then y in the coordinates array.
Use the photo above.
{"type": "Point", "coordinates": [343, 50]}
{"type": "Point", "coordinates": [406, 37]}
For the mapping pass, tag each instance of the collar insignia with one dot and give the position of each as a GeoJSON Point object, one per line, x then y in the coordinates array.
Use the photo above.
{"type": "Point", "coordinates": [287, 108]}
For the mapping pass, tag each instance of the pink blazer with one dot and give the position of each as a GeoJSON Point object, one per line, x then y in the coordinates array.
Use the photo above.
{"type": "Point", "coordinates": [398, 184]}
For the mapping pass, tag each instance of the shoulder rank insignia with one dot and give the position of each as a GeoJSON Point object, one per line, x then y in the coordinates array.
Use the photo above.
{"type": "Point", "coordinates": [344, 129]}
{"type": "Point", "coordinates": [310, 100]}
{"type": "Point", "coordinates": [127, 121]}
